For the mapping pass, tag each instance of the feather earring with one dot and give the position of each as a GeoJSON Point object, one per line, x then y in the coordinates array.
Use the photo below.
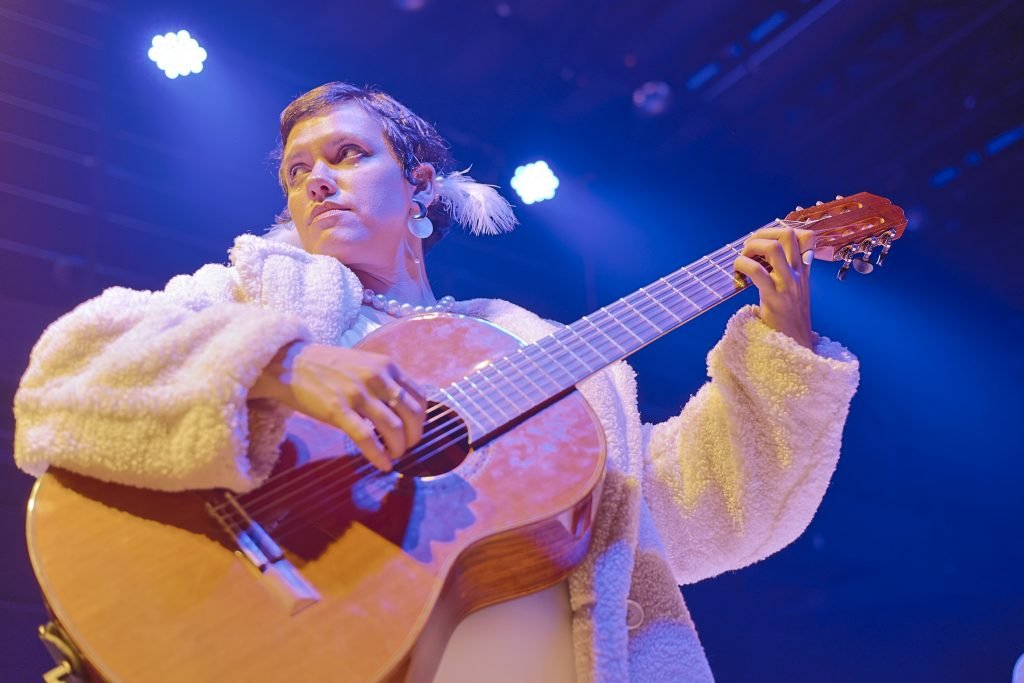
{"type": "Point", "coordinates": [474, 205]}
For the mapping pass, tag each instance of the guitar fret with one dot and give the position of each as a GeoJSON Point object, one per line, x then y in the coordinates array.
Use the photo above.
{"type": "Point", "coordinates": [694, 277]}
{"type": "Point", "coordinates": [603, 333]}
{"type": "Point", "coordinates": [469, 398]}
{"type": "Point", "coordinates": [643, 290]}
{"type": "Point", "coordinates": [621, 324]}
{"type": "Point", "coordinates": [539, 367]}
{"type": "Point", "coordinates": [582, 362]}
{"type": "Point", "coordinates": [530, 400]}
{"type": "Point", "coordinates": [459, 408]}
{"type": "Point", "coordinates": [723, 270]}
{"type": "Point", "coordinates": [680, 293]}
{"type": "Point", "coordinates": [569, 330]}
{"type": "Point", "coordinates": [555, 357]}
{"type": "Point", "coordinates": [646, 319]}
{"type": "Point", "coordinates": [600, 354]}
{"type": "Point", "coordinates": [730, 277]}
{"type": "Point", "coordinates": [482, 413]}
{"type": "Point", "coordinates": [514, 366]}
{"type": "Point", "coordinates": [486, 396]}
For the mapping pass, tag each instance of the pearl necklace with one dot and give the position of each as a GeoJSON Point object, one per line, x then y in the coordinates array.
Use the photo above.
{"type": "Point", "coordinates": [397, 309]}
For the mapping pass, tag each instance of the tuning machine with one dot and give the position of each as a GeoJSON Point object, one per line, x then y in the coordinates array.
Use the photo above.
{"type": "Point", "coordinates": [846, 256]}
{"type": "Point", "coordinates": [863, 264]}
{"type": "Point", "coordinates": [849, 256]}
{"type": "Point", "coordinates": [858, 256]}
{"type": "Point", "coordinates": [886, 242]}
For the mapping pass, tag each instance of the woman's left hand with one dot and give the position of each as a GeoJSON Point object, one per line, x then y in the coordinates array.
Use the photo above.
{"type": "Point", "coordinates": [784, 286]}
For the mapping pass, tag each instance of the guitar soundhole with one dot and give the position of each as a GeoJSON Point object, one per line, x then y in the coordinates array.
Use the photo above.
{"type": "Point", "coordinates": [307, 507]}
{"type": "Point", "coordinates": [445, 444]}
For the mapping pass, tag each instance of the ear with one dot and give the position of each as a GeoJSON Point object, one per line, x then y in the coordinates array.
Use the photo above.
{"type": "Point", "coordinates": [422, 178]}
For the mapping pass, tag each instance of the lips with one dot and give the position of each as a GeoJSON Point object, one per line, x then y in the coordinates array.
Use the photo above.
{"type": "Point", "coordinates": [326, 209]}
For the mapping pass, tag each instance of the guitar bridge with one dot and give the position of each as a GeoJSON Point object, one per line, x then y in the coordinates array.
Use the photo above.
{"type": "Point", "coordinates": [70, 667]}
{"type": "Point", "coordinates": [262, 553]}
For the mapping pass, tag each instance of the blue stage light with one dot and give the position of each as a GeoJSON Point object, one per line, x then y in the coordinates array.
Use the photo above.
{"type": "Point", "coordinates": [945, 176]}
{"type": "Point", "coordinates": [177, 54]}
{"type": "Point", "coordinates": [767, 26]}
{"type": "Point", "coordinates": [702, 76]}
{"type": "Point", "coordinates": [1001, 142]}
{"type": "Point", "coordinates": [534, 182]}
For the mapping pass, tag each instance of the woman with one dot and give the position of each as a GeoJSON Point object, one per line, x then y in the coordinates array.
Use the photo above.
{"type": "Point", "coordinates": [200, 377]}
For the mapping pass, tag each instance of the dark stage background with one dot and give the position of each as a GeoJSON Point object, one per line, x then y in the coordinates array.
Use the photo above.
{"type": "Point", "coordinates": [911, 571]}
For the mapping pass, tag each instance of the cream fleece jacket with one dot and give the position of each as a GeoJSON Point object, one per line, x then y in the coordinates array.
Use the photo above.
{"type": "Point", "coordinates": [149, 389]}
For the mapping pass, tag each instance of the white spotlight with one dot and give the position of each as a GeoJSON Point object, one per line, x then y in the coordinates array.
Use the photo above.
{"type": "Point", "coordinates": [177, 54]}
{"type": "Point", "coordinates": [534, 182]}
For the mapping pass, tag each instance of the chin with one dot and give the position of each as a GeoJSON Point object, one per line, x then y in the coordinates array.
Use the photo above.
{"type": "Point", "coordinates": [341, 244]}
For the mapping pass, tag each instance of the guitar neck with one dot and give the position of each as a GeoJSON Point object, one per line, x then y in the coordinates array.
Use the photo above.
{"type": "Point", "coordinates": [504, 390]}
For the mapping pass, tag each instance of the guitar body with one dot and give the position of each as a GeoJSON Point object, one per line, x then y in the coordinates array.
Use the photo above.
{"type": "Point", "coordinates": [150, 587]}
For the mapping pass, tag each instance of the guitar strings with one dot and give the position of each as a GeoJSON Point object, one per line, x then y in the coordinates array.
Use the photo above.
{"type": "Point", "coordinates": [648, 307]}
{"type": "Point", "coordinates": [339, 504]}
{"type": "Point", "coordinates": [649, 310]}
{"type": "Point", "coordinates": [312, 480]}
{"type": "Point", "coordinates": [435, 412]}
{"type": "Point", "coordinates": [329, 504]}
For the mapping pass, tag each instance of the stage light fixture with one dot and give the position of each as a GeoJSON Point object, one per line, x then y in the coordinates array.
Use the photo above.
{"type": "Point", "coordinates": [177, 54]}
{"type": "Point", "coordinates": [534, 182]}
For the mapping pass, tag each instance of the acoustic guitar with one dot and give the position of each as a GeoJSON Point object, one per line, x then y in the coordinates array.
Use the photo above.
{"type": "Point", "coordinates": [333, 570]}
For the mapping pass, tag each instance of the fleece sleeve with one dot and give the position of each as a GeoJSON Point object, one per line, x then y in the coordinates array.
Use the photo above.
{"type": "Point", "coordinates": [150, 388]}
{"type": "Point", "coordinates": [740, 472]}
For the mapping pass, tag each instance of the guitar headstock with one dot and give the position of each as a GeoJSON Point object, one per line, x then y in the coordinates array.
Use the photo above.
{"type": "Point", "coordinates": [850, 228]}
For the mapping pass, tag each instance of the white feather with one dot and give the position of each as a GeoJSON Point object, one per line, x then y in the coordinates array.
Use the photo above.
{"type": "Point", "coordinates": [476, 206]}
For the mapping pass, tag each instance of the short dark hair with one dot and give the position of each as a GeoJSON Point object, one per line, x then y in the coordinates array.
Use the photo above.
{"type": "Point", "coordinates": [413, 140]}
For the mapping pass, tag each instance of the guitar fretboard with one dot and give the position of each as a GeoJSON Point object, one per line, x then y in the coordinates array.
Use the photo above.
{"type": "Point", "coordinates": [508, 388]}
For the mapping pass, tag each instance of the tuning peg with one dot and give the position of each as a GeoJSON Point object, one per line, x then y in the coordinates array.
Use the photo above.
{"type": "Point", "coordinates": [886, 246]}
{"type": "Point", "coordinates": [799, 208]}
{"type": "Point", "coordinates": [844, 269]}
{"type": "Point", "coordinates": [818, 203]}
{"type": "Point", "coordinates": [839, 196]}
{"type": "Point", "coordinates": [863, 264]}
{"type": "Point", "coordinates": [883, 254]}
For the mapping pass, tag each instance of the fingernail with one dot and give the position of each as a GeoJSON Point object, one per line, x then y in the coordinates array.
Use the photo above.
{"type": "Point", "coordinates": [808, 257]}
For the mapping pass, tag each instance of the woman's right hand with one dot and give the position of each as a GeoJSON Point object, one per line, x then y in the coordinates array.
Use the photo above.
{"type": "Point", "coordinates": [356, 391]}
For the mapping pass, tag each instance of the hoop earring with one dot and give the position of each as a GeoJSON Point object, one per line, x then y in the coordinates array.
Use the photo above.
{"type": "Point", "coordinates": [419, 225]}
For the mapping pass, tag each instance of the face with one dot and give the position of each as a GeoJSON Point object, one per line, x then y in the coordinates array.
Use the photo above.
{"type": "Point", "coordinates": [347, 193]}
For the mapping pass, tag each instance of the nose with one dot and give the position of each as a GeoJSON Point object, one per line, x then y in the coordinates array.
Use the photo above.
{"type": "Point", "coordinates": [319, 184]}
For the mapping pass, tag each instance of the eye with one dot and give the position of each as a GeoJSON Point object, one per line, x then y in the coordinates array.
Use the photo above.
{"type": "Point", "coordinates": [295, 170]}
{"type": "Point", "coordinates": [346, 152]}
